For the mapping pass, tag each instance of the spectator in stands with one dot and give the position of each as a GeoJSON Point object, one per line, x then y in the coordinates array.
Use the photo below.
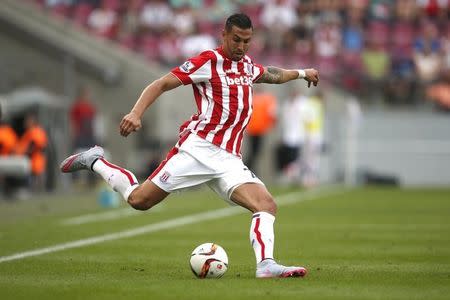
{"type": "Point", "coordinates": [445, 42]}
{"type": "Point", "coordinates": [278, 16]}
{"type": "Point", "coordinates": [433, 8]}
{"type": "Point", "coordinates": [428, 38]}
{"type": "Point", "coordinates": [197, 42]}
{"type": "Point", "coordinates": [427, 64]}
{"type": "Point", "coordinates": [33, 143]}
{"type": "Point", "coordinates": [103, 21]}
{"type": "Point", "coordinates": [183, 22]}
{"type": "Point", "coordinates": [401, 86]}
{"type": "Point", "coordinates": [327, 44]}
{"type": "Point", "coordinates": [428, 59]}
{"type": "Point", "coordinates": [376, 62]}
{"type": "Point", "coordinates": [169, 48]}
{"type": "Point", "coordinates": [405, 10]}
{"type": "Point", "coordinates": [380, 10]}
{"type": "Point", "coordinates": [158, 29]}
{"type": "Point", "coordinates": [427, 53]}
{"type": "Point", "coordinates": [130, 25]}
{"type": "Point", "coordinates": [156, 16]}
{"type": "Point", "coordinates": [261, 123]}
{"type": "Point", "coordinates": [352, 47]}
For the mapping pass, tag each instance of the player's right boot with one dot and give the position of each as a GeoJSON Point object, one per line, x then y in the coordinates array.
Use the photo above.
{"type": "Point", "coordinates": [269, 268]}
{"type": "Point", "coordinates": [82, 161]}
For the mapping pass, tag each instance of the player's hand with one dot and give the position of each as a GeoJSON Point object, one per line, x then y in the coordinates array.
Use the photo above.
{"type": "Point", "coordinates": [130, 122]}
{"type": "Point", "coordinates": [312, 76]}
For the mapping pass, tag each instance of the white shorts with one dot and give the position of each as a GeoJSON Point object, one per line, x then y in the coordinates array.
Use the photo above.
{"type": "Point", "coordinates": [197, 161]}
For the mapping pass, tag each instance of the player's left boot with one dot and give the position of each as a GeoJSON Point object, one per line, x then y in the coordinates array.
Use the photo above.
{"type": "Point", "coordinates": [269, 268]}
{"type": "Point", "coordinates": [82, 161]}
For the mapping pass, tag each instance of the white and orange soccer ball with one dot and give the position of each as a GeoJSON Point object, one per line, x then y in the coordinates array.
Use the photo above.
{"type": "Point", "coordinates": [209, 260]}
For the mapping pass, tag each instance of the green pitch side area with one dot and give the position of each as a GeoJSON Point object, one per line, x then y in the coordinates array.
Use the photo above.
{"type": "Point", "coordinates": [365, 243]}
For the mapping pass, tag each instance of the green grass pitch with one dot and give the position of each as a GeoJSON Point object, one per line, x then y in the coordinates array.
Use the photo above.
{"type": "Point", "coordinates": [364, 243]}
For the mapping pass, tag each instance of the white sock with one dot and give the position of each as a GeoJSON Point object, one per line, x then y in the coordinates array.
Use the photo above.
{"type": "Point", "coordinates": [262, 236]}
{"type": "Point", "coordinates": [121, 180]}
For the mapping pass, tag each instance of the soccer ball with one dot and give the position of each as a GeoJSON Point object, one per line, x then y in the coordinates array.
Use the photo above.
{"type": "Point", "coordinates": [209, 260]}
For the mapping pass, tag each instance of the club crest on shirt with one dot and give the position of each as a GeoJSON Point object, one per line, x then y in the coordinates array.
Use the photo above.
{"type": "Point", "coordinates": [186, 67]}
{"type": "Point", "coordinates": [164, 177]}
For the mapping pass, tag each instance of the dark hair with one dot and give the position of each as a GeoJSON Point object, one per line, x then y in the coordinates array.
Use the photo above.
{"type": "Point", "coordinates": [239, 20]}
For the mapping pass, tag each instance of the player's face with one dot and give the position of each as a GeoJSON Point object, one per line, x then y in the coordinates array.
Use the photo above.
{"type": "Point", "coordinates": [236, 42]}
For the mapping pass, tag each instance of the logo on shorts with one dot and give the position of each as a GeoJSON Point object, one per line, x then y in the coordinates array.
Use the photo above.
{"type": "Point", "coordinates": [164, 177]}
{"type": "Point", "coordinates": [253, 174]}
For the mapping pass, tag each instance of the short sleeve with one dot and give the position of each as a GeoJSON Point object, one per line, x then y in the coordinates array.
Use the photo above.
{"type": "Point", "coordinates": [258, 70]}
{"type": "Point", "coordinates": [194, 70]}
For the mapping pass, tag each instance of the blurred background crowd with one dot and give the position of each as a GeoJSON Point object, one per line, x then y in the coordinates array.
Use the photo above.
{"type": "Point", "coordinates": [386, 51]}
{"type": "Point", "coordinates": [70, 69]}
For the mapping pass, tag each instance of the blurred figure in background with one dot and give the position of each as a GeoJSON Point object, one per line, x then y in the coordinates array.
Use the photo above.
{"type": "Point", "coordinates": [8, 139]}
{"type": "Point", "coordinates": [376, 63]}
{"type": "Point", "coordinates": [33, 143]}
{"type": "Point", "coordinates": [313, 117]}
{"type": "Point", "coordinates": [292, 137]}
{"type": "Point", "coordinates": [83, 117]}
{"type": "Point", "coordinates": [439, 92]}
{"type": "Point", "coordinates": [8, 142]}
{"type": "Point", "coordinates": [262, 121]}
{"type": "Point", "coordinates": [103, 21]}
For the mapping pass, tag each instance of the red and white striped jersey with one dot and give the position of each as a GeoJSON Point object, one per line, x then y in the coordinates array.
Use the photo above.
{"type": "Point", "coordinates": [223, 94]}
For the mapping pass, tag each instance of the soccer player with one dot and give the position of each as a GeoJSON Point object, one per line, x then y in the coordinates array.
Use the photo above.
{"type": "Point", "coordinates": [209, 145]}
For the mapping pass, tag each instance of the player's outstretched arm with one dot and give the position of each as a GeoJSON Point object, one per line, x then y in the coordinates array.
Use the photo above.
{"type": "Point", "coordinates": [132, 121]}
{"type": "Point", "coordinates": [278, 75]}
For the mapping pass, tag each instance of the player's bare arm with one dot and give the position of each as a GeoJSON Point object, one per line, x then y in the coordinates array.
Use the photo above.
{"type": "Point", "coordinates": [132, 121]}
{"type": "Point", "coordinates": [277, 75]}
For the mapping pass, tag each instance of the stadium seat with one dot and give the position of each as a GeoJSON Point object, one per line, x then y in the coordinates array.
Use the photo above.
{"type": "Point", "coordinates": [113, 4]}
{"type": "Point", "coordinates": [128, 41]}
{"type": "Point", "coordinates": [402, 37]}
{"type": "Point", "coordinates": [378, 31]}
{"type": "Point", "coordinates": [81, 13]}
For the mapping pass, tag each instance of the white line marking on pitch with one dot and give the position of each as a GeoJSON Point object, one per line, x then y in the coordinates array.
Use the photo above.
{"type": "Point", "coordinates": [287, 199]}
{"type": "Point", "coordinates": [98, 217]}
{"type": "Point", "coordinates": [106, 216]}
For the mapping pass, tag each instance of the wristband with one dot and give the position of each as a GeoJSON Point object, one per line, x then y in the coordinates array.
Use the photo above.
{"type": "Point", "coordinates": [301, 73]}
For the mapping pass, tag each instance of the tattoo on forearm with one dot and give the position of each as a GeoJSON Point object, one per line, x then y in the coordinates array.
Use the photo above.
{"type": "Point", "coordinates": [273, 75]}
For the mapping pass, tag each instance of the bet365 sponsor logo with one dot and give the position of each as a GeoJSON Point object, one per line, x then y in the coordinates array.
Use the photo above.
{"type": "Point", "coordinates": [239, 80]}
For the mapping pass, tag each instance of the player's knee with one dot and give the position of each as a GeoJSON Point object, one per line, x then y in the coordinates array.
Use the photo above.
{"type": "Point", "coordinates": [144, 197]}
{"type": "Point", "coordinates": [272, 207]}
{"type": "Point", "coordinates": [268, 205]}
{"type": "Point", "coordinates": [139, 202]}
